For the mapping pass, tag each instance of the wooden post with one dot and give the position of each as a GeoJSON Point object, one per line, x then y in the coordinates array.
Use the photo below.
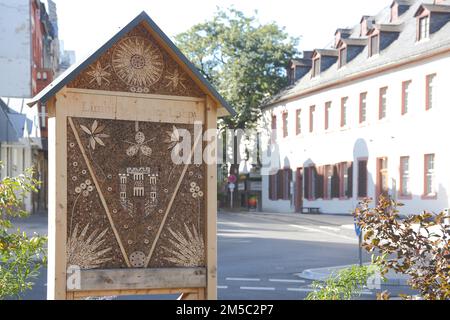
{"type": "Point", "coordinates": [211, 207]}
{"type": "Point", "coordinates": [57, 222]}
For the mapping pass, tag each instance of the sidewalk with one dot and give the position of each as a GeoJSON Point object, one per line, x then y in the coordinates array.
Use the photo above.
{"type": "Point", "coordinates": [321, 274]}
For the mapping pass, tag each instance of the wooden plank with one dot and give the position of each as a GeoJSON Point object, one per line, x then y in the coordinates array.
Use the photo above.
{"type": "Point", "coordinates": [57, 202]}
{"type": "Point", "coordinates": [211, 208]}
{"type": "Point", "coordinates": [142, 279]}
{"type": "Point", "coordinates": [110, 293]}
{"type": "Point", "coordinates": [168, 111]}
{"type": "Point", "coordinates": [134, 109]}
{"type": "Point", "coordinates": [201, 294]}
{"type": "Point", "coordinates": [100, 194]}
{"type": "Point", "coordinates": [133, 95]}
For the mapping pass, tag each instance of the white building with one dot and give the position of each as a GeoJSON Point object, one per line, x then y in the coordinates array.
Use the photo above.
{"type": "Point", "coordinates": [20, 140]}
{"type": "Point", "coordinates": [366, 117]}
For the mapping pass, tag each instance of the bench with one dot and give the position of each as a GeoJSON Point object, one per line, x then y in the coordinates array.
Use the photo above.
{"type": "Point", "coordinates": [310, 210]}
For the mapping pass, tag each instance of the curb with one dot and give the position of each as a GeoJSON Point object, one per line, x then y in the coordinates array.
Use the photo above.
{"type": "Point", "coordinates": [322, 274]}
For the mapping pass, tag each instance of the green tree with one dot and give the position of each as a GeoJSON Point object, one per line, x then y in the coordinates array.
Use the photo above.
{"type": "Point", "coordinates": [244, 59]}
{"type": "Point", "coordinates": [20, 256]}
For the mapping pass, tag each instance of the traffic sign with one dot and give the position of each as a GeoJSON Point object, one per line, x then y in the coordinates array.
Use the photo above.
{"type": "Point", "coordinates": [232, 178]}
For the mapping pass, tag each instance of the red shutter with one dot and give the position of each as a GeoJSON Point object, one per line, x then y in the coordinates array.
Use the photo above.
{"type": "Point", "coordinates": [350, 179]}
{"type": "Point", "coordinates": [335, 181]}
{"type": "Point", "coordinates": [319, 182]}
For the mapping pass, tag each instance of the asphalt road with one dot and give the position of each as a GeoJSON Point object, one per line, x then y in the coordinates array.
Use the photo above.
{"type": "Point", "coordinates": [260, 256]}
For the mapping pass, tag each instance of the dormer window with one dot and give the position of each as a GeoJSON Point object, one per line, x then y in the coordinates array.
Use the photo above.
{"type": "Point", "coordinates": [316, 67]}
{"type": "Point", "coordinates": [424, 28]}
{"type": "Point", "coordinates": [374, 45]}
{"type": "Point", "coordinates": [342, 57]}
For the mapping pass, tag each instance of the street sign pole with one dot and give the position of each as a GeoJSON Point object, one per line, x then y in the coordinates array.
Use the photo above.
{"type": "Point", "coordinates": [358, 232]}
{"type": "Point", "coordinates": [231, 185]}
{"type": "Point", "coordinates": [360, 249]}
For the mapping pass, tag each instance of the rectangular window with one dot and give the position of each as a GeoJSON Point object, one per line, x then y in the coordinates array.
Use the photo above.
{"type": "Point", "coordinates": [342, 57]}
{"type": "Point", "coordinates": [383, 103]}
{"type": "Point", "coordinates": [327, 115]}
{"type": "Point", "coordinates": [280, 185]}
{"type": "Point", "coordinates": [273, 186]}
{"type": "Point", "coordinates": [312, 109]}
{"type": "Point", "coordinates": [383, 178]}
{"type": "Point", "coordinates": [43, 116]}
{"type": "Point", "coordinates": [424, 27]}
{"type": "Point", "coordinates": [298, 122]}
{"type": "Point", "coordinates": [316, 67]}
{"type": "Point", "coordinates": [346, 183]}
{"type": "Point", "coordinates": [374, 47]}
{"type": "Point", "coordinates": [287, 178]}
{"type": "Point", "coordinates": [404, 177]}
{"type": "Point", "coordinates": [344, 111]}
{"type": "Point", "coordinates": [328, 182]}
{"type": "Point", "coordinates": [405, 96]}
{"type": "Point", "coordinates": [285, 124]}
{"type": "Point", "coordinates": [363, 107]}
{"type": "Point", "coordinates": [362, 178]}
{"type": "Point", "coordinates": [335, 182]}
{"type": "Point", "coordinates": [274, 122]}
{"type": "Point", "coordinates": [430, 86]}
{"type": "Point", "coordinates": [430, 190]}
{"type": "Point", "coordinates": [313, 179]}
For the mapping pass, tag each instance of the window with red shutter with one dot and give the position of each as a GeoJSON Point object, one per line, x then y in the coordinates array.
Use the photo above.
{"type": "Point", "coordinates": [306, 179]}
{"type": "Point", "coordinates": [362, 178]}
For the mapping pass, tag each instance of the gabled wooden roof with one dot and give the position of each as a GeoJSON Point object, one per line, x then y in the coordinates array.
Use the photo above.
{"type": "Point", "coordinates": [71, 73]}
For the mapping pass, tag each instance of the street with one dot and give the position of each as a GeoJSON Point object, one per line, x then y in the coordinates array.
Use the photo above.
{"type": "Point", "coordinates": [261, 256]}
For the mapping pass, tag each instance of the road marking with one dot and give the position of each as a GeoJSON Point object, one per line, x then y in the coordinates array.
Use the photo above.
{"type": "Point", "coordinates": [329, 228]}
{"type": "Point", "coordinates": [243, 279]}
{"type": "Point", "coordinates": [258, 288]}
{"type": "Point", "coordinates": [222, 287]}
{"type": "Point", "coordinates": [322, 231]}
{"type": "Point", "coordinates": [301, 289]}
{"type": "Point", "coordinates": [287, 280]}
{"type": "Point", "coordinates": [367, 293]}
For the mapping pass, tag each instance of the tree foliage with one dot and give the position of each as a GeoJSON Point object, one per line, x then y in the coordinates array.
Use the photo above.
{"type": "Point", "coordinates": [244, 59]}
{"type": "Point", "coordinates": [417, 246]}
{"type": "Point", "coordinates": [20, 256]}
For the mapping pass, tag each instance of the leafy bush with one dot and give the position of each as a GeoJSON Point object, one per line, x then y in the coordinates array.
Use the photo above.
{"type": "Point", "coordinates": [20, 256]}
{"type": "Point", "coordinates": [417, 246]}
{"type": "Point", "coordinates": [345, 285]}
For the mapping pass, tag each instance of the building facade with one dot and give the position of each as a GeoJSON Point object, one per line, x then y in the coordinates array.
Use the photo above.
{"type": "Point", "coordinates": [366, 117]}
{"type": "Point", "coordinates": [28, 64]}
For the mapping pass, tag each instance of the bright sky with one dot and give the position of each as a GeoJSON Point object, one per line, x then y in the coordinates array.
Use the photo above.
{"type": "Point", "coordinates": [84, 24]}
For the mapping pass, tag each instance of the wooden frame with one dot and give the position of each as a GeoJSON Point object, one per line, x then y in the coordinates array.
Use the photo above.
{"type": "Point", "coordinates": [68, 103]}
{"type": "Point", "coordinates": [73, 102]}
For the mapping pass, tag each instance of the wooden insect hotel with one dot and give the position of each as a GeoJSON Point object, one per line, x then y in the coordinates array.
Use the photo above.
{"type": "Point", "coordinates": [124, 217]}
